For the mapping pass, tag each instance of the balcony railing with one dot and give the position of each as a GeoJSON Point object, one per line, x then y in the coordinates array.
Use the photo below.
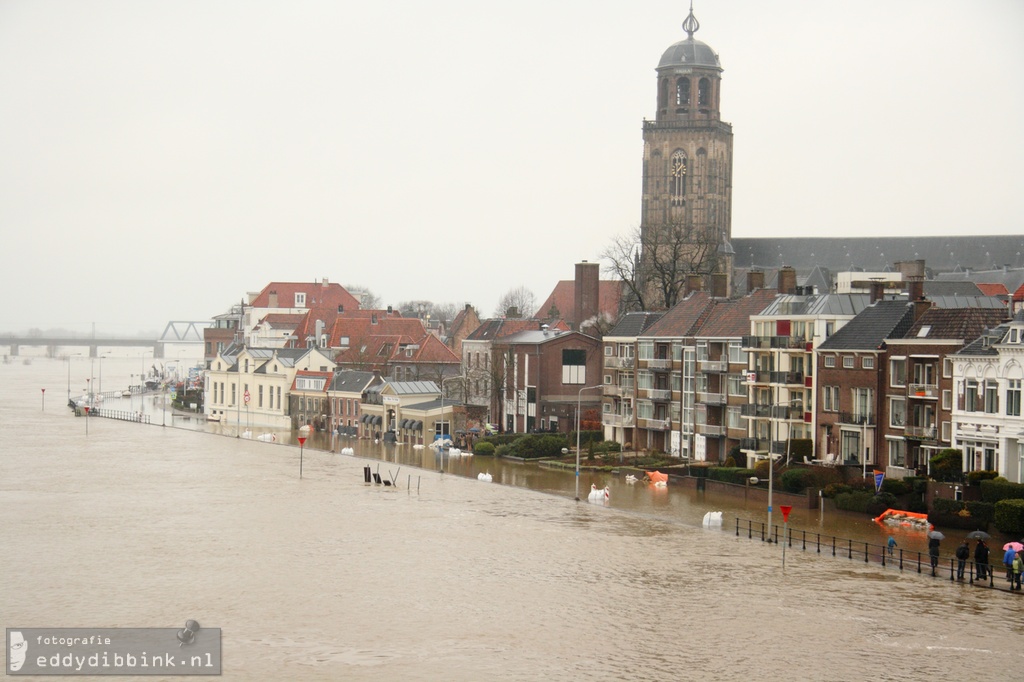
{"type": "Point", "coordinates": [711, 398]}
{"type": "Point", "coordinates": [617, 362]}
{"type": "Point", "coordinates": [658, 363]}
{"type": "Point", "coordinates": [755, 410]}
{"type": "Point", "coordinates": [857, 419]}
{"type": "Point", "coordinates": [656, 424]}
{"type": "Point", "coordinates": [710, 429]}
{"type": "Point", "coordinates": [787, 412]}
{"type": "Point", "coordinates": [659, 394]}
{"type": "Point", "coordinates": [754, 444]}
{"type": "Point", "coordinates": [616, 420]}
{"type": "Point", "coordinates": [922, 391]}
{"type": "Point", "coordinates": [714, 365]}
{"type": "Point", "coordinates": [623, 391]}
{"type": "Point", "coordinates": [920, 432]}
{"type": "Point", "coordinates": [791, 378]}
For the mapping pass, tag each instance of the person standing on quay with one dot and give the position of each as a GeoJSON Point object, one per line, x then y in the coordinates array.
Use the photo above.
{"type": "Point", "coordinates": [933, 552]}
{"type": "Point", "coordinates": [891, 544]}
{"type": "Point", "coordinates": [981, 559]}
{"type": "Point", "coordinates": [963, 553]}
{"type": "Point", "coordinates": [1008, 562]}
{"type": "Point", "coordinates": [1017, 566]}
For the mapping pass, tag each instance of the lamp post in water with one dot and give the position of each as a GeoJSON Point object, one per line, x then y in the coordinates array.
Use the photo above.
{"type": "Point", "coordinates": [579, 407]}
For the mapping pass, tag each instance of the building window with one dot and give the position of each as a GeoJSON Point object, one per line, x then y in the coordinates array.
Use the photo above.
{"type": "Point", "coordinates": [703, 92]}
{"type": "Point", "coordinates": [947, 399]}
{"type": "Point", "coordinates": [645, 350]}
{"type": "Point", "coordinates": [847, 362]}
{"type": "Point", "coordinates": [947, 367]}
{"type": "Point", "coordinates": [1013, 398]}
{"type": "Point", "coordinates": [831, 399]}
{"type": "Point", "coordinates": [898, 372]}
{"type": "Point", "coordinates": [300, 299]}
{"type": "Point", "coordinates": [574, 366]}
{"type": "Point", "coordinates": [736, 385]}
{"type": "Point", "coordinates": [991, 396]}
{"type": "Point", "coordinates": [736, 354]}
{"type": "Point", "coordinates": [608, 379]}
{"type": "Point", "coordinates": [259, 399]}
{"type": "Point", "coordinates": [946, 428]}
{"type": "Point", "coordinates": [971, 395]}
{"type": "Point", "coordinates": [830, 361]}
{"type": "Point", "coordinates": [607, 407]}
{"type": "Point", "coordinates": [868, 362]}
{"type": "Point", "coordinates": [734, 418]}
{"type": "Point", "coordinates": [897, 412]}
{"type": "Point", "coordinates": [897, 452]}
{"type": "Point", "coordinates": [608, 352]}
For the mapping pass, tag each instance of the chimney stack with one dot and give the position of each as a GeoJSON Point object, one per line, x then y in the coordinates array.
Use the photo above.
{"type": "Point", "coordinates": [787, 279]}
{"type": "Point", "coordinates": [915, 288]}
{"type": "Point", "coordinates": [719, 285]}
{"type": "Point", "coordinates": [587, 292]}
{"type": "Point", "coordinates": [877, 290]}
{"type": "Point", "coordinates": [693, 283]}
{"type": "Point", "coordinates": [755, 280]}
{"type": "Point", "coordinates": [273, 299]}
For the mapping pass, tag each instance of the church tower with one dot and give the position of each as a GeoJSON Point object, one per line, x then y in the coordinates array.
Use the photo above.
{"type": "Point", "coordinates": [687, 183]}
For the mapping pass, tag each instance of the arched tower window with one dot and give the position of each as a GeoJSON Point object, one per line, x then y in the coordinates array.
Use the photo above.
{"type": "Point", "coordinates": [663, 94]}
{"type": "Point", "coordinates": [683, 92]}
{"type": "Point", "coordinates": [677, 181]}
{"type": "Point", "coordinates": [704, 92]}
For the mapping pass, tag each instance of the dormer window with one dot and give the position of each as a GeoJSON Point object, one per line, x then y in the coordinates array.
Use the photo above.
{"type": "Point", "coordinates": [300, 299]}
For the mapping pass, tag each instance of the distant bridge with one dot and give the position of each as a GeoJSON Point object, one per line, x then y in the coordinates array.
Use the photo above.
{"type": "Point", "coordinates": [177, 333]}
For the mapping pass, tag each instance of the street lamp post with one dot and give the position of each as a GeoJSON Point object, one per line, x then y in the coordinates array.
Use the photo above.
{"type": "Point", "coordinates": [440, 451]}
{"type": "Point", "coordinates": [579, 406]}
{"type": "Point", "coordinates": [771, 463]}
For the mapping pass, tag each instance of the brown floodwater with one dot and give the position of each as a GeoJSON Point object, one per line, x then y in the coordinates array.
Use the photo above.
{"type": "Point", "coordinates": [445, 576]}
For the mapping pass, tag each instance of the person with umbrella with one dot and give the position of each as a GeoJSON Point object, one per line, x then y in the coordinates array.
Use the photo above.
{"type": "Point", "coordinates": [1010, 550]}
{"type": "Point", "coordinates": [963, 553]}
{"type": "Point", "coordinates": [933, 548]}
{"type": "Point", "coordinates": [981, 558]}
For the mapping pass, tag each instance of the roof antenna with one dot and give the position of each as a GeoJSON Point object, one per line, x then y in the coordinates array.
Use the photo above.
{"type": "Point", "coordinates": [691, 25]}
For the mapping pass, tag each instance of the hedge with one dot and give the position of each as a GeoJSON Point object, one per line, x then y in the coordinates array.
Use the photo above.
{"type": "Point", "coordinates": [586, 437]}
{"type": "Point", "coordinates": [794, 480]}
{"type": "Point", "coordinates": [865, 502]}
{"type": "Point", "coordinates": [976, 477]}
{"type": "Point", "coordinates": [964, 515]}
{"type": "Point", "coordinates": [1009, 516]}
{"type": "Point", "coordinates": [536, 446]}
{"type": "Point", "coordinates": [484, 448]}
{"type": "Point", "coordinates": [737, 475]}
{"type": "Point", "coordinates": [994, 491]}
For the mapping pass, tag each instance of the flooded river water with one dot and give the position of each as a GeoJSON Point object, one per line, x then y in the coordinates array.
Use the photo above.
{"type": "Point", "coordinates": [445, 577]}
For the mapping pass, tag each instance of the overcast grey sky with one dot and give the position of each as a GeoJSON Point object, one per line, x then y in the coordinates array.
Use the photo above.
{"type": "Point", "coordinates": [162, 158]}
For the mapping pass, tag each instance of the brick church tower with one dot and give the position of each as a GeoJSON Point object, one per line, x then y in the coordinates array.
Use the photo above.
{"type": "Point", "coordinates": [687, 183]}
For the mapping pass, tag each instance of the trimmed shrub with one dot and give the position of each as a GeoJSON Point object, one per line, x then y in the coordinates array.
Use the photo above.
{"type": "Point", "coordinates": [1009, 516]}
{"type": "Point", "coordinates": [834, 489]}
{"type": "Point", "coordinates": [735, 475]}
{"type": "Point", "coordinates": [608, 446]}
{"type": "Point", "coordinates": [483, 448]}
{"type": "Point", "coordinates": [535, 446]}
{"type": "Point", "coordinates": [761, 469]}
{"type": "Point", "coordinates": [730, 462]}
{"type": "Point", "coordinates": [586, 437]}
{"type": "Point", "coordinates": [947, 466]}
{"type": "Point", "coordinates": [958, 514]}
{"type": "Point", "coordinates": [856, 501]}
{"type": "Point", "coordinates": [794, 480]}
{"type": "Point", "coordinates": [993, 491]}
{"type": "Point", "coordinates": [976, 477]}
{"type": "Point", "coordinates": [880, 502]}
{"type": "Point", "coordinates": [503, 450]}
{"type": "Point", "coordinates": [895, 486]}
{"type": "Point", "coordinates": [918, 484]}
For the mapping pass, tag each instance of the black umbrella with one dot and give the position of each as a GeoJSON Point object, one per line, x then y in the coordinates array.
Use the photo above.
{"type": "Point", "coordinates": [936, 535]}
{"type": "Point", "coordinates": [978, 535]}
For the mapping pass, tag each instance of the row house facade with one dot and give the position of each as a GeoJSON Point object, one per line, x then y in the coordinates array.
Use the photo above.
{"type": "Point", "coordinates": [987, 421]}
{"type": "Point", "coordinates": [780, 372]}
{"type": "Point", "coordinates": [541, 377]}
{"type": "Point", "coordinates": [618, 405]}
{"type": "Point", "coordinates": [410, 412]}
{"type": "Point", "coordinates": [345, 396]}
{"type": "Point", "coordinates": [251, 386]}
{"type": "Point", "coordinates": [915, 411]}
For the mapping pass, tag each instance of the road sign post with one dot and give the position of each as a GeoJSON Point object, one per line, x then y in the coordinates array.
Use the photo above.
{"type": "Point", "coordinates": [302, 443]}
{"type": "Point", "coordinates": [786, 508]}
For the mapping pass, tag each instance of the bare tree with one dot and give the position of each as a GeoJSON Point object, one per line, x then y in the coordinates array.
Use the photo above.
{"type": "Point", "coordinates": [653, 264]}
{"type": "Point", "coordinates": [367, 299]}
{"type": "Point", "coordinates": [520, 298]}
{"type": "Point", "coordinates": [444, 312]}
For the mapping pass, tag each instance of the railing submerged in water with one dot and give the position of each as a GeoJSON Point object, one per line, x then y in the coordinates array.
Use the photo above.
{"type": "Point", "coordinates": [121, 415]}
{"type": "Point", "coordinates": [845, 547]}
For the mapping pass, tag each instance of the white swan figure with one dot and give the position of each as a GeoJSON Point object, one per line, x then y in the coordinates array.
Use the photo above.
{"type": "Point", "coordinates": [485, 477]}
{"type": "Point", "coordinates": [630, 479]}
{"type": "Point", "coordinates": [660, 484]}
{"type": "Point", "coordinates": [713, 519]}
{"type": "Point", "coordinates": [348, 451]}
{"type": "Point", "coordinates": [454, 452]}
{"type": "Point", "coordinates": [599, 496]}
{"type": "Point", "coordinates": [247, 434]}
{"type": "Point", "coordinates": [417, 446]}
{"type": "Point", "coordinates": [267, 438]}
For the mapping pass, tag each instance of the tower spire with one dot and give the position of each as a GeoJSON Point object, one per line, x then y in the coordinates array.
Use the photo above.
{"type": "Point", "coordinates": [691, 25]}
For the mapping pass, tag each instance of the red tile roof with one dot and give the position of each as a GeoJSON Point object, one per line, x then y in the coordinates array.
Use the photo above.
{"type": "Point", "coordinates": [317, 294]}
{"type": "Point", "coordinates": [731, 319]}
{"type": "Point", "coordinates": [991, 289]}
{"type": "Point", "coordinates": [563, 299]}
{"type": "Point", "coordinates": [683, 319]}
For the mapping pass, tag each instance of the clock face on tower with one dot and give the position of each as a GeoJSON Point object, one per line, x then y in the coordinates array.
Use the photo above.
{"type": "Point", "coordinates": [678, 167]}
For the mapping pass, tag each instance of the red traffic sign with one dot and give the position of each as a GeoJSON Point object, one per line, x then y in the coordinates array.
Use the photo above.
{"type": "Point", "coordinates": [87, 409]}
{"type": "Point", "coordinates": [43, 390]}
{"type": "Point", "coordinates": [246, 397]}
{"type": "Point", "coordinates": [302, 440]}
{"type": "Point", "coordinates": [786, 508]}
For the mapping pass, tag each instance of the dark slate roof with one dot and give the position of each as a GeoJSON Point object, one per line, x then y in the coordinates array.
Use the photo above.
{"type": "Point", "coordinates": [872, 326]}
{"type": "Point", "coordinates": [1011, 278]}
{"type": "Point", "coordinates": [967, 302]}
{"type": "Point", "coordinates": [984, 344]}
{"type": "Point", "coordinates": [350, 380]}
{"type": "Point", "coordinates": [823, 304]}
{"type": "Point", "coordinates": [954, 324]}
{"type": "Point", "coordinates": [936, 287]}
{"type": "Point", "coordinates": [942, 254]}
{"type": "Point", "coordinates": [632, 325]}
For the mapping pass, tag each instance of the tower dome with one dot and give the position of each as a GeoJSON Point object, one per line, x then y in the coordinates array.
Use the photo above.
{"type": "Point", "coordinates": [690, 52]}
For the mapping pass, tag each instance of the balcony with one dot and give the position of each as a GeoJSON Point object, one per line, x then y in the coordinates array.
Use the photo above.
{"type": "Point", "coordinates": [713, 365]}
{"type": "Point", "coordinates": [659, 394]}
{"type": "Point", "coordinates": [857, 419]}
{"type": "Point", "coordinates": [609, 419]}
{"type": "Point", "coordinates": [617, 362]}
{"type": "Point", "coordinates": [787, 412]}
{"type": "Point", "coordinates": [622, 391]}
{"type": "Point", "coordinates": [710, 430]}
{"type": "Point", "coordinates": [659, 363]}
{"type": "Point", "coordinates": [755, 410]}
{"type": "Point", "coordinates": [788, 378]}
{"type": "Point", "coordinates": [754, 444]}
{"type": "Point", "coordinates": [711, 398]}
{"type": "Point", "coordinates": [656, 424]}
{"type": "Point", "coordinates": [920, 432]}
{"type": "Point", "coordinates": [922, 391]}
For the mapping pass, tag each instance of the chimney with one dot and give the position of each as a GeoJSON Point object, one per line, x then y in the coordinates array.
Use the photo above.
{"type": "Point", "coordinates": [921, 306]}
{"type": "Point", "coordinates": [587, 292]}
{"type": "Point", "coordinates": [693, 282]}
{"type": "Point", "coordinates": [512, 312]}
{"type": "Point", "coordinates": [877, 289]}
{"type": "Point", "coordinates": [787, 279]}
{"type": "Point", "coordinates": [719, 285]}
{"type": "Point", "coordinates": [273, 299]}
{"type": "Point", "coordinates": [389, 310]}
{"type": "Point", "coordinates": [911, 268]}
{"type": "Point", "coordinates": [755, 280]}
{"type": "Point", "coordinates": [915, 288]}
